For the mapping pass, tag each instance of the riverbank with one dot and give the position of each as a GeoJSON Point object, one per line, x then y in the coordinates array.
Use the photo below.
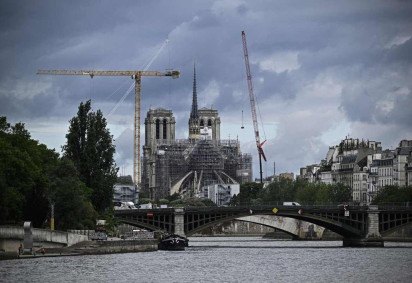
{"type": "Point", "coordinates": [90, 248]}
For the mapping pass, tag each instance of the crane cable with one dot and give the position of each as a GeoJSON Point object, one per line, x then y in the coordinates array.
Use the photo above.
{"type": "Point", "coordinates": [132, 85]}
{"type": "Point", "coordinates": [260, 121]}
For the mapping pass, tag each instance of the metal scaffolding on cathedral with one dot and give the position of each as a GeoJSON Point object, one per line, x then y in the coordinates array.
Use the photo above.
{"type": "Point", "coordinates": [186, 166]}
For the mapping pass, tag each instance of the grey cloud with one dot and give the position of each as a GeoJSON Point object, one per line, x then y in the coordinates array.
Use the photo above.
{"type": "Point", "coordinates": [346, 40]}
{"type": "Point", "coordinates": [124, 149]}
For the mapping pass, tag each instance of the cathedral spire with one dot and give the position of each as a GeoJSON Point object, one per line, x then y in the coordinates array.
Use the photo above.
{"type": "Point", "coordinates": [194, 113]}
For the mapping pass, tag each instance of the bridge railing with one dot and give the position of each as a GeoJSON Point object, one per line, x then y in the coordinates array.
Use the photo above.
{"type": "Point", "coordinates": [395, 206]}
{"type": "Point", "coordinates": [260, 207]}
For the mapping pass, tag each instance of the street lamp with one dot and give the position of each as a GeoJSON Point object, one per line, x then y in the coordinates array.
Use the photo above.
{"type": "Point", "coordinates": [52, 216]}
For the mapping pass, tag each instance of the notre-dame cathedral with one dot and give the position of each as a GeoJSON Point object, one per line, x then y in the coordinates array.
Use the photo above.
{"type": "Point", "coordinates": [186, 166]}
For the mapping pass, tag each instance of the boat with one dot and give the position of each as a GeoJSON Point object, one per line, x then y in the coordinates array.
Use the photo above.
{"type": "Point", "coordinates": [173, 242]}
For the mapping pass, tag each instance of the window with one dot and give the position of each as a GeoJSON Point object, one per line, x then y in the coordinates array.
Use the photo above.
{"type": "Point", "coordinates": [164, 129]}
{"type": "Point", "coordinates": [209, 123]}
{"type": "Point", "coordinates": [157, 129]}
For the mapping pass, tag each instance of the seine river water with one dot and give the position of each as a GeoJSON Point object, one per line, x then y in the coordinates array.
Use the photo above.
{"type": "Point", "coordinates": [225, 260]}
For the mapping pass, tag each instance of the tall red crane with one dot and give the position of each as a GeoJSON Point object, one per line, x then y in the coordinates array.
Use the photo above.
{"type": "Point", "coordinates": [259, 145]}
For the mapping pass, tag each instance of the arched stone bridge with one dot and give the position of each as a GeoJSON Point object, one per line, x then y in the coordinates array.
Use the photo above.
{"type": "Point", "coordinates": [364, 226]}
{"type": "Point", "coordinates": [296, 228]}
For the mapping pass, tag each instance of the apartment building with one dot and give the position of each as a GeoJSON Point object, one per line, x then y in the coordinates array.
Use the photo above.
{"type": "Point", "coordinates": [364, 167]}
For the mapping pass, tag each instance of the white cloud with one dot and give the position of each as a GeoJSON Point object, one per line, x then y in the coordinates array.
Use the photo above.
{"type": "Point", "coordinates": [27, 89]}
{"type": "Point", "coordinates": [48, 130]}
{"type": "Point", "coordinates": [336, 132]}
{"type": "Point", "coordinates": [398, 40]}
{"type": "Point", "coordinates": [225, 6]}
{"type": "Point", "coordinates": [209, 94]}
{"type": "Point", "coordinates": [280, 62]}
{"type": "Point", "coordinates": [325, 87]}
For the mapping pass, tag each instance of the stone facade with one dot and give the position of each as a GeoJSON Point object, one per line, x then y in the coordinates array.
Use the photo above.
{"type": "Point", "coordinates": [364, 167]}
{"type": "Point", "coordinates": [185, 166]}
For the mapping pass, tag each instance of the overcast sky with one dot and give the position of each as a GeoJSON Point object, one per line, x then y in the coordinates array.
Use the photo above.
{"type": "Point", "coordinates": [321, 70]}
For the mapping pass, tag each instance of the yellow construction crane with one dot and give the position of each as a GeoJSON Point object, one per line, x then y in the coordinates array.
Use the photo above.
{"type": "Point", "coordinates": [137, 76]}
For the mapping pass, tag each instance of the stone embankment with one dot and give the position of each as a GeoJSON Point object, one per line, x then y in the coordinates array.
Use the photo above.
{"type": "Point", "coordinates": [91, 247]}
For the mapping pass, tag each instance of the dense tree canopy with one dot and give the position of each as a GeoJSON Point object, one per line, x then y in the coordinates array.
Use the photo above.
{"type": "Point", "coordinates": [23, 175]}
{"type": "Point", "coordinates": [71, 197]}
{"type": "Point", "coordinates": [287, 190]}
{"type": "Point", "coordinates": [394, 195]}
{"type": "Point", "coordinates": [32, 177]}
{"type": "Point", "coordinates": [90, 146]}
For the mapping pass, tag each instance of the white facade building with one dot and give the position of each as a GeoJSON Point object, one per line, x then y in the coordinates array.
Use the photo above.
{"type": "Point", "coordinates": [326, 177]}
{"type": "Point", "coordinates": [125, 193]}
{"type": "Point", "coordinates": [364, 167]}
{"type": "Point", "coordinates": [220, 194]}
{"type": "Point", "coordinates": [400, 162]}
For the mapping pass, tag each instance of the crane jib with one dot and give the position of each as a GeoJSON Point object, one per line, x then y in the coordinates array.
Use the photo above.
{"type": "Point", "coordinates": [169, 73]}
{"type": "Point", "coordinates": [136, 75]}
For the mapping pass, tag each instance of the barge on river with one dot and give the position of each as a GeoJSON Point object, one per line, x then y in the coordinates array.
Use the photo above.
{"type": "Point", "coordinates": [173, 242]}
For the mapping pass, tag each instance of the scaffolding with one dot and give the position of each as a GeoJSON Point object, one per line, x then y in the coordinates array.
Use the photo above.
{"type": "Point", "coordinates": [196, 163]}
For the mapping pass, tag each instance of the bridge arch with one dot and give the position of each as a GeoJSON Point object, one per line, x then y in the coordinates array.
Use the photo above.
{"type": "Point", "coordinates": [197, 220]}
{"type": "Point", "coordinates": [292, 227]}
{"type": "Point", "coordinates": [361, 227]}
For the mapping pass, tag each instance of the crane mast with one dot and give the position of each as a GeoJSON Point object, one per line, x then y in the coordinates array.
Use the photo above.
{"type": "Point", "coordinates": [137, 76]}
{"type": "Point", "coordinates": [253, 107]}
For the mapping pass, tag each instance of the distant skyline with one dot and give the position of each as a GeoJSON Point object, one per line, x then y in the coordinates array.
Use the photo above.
{"type": "Point", "coordinates": [322, 70]}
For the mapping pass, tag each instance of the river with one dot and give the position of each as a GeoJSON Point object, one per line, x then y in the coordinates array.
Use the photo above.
{"type": "Point", "coordinates": [226, 259]}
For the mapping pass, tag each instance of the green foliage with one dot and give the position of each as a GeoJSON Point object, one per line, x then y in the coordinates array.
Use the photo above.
{"type": "Point", "coordinates": [90, 146]}
{"type": "Point", "coordinates": [287, 190]}
{"type": "Point", "coordinates": [248, 191]}
{"type": "Point", "coordinates": [144, 194]}
{"type": "Point", "coordinates": [177, 203]}
{"type": "Point", "coordinates": [340, 193]}
{"type": "Point", "coordinates": [23, 167]}
{"type": "Point", "coordinates": [280, 190]}
{"type": "Point", "coordinates": [73, 209]}
{"type": "Point", "coordinates": [193, 201]}
{"type": "Point", "coordinates": [207, 202]}
{"type": "Point", "coordinates": [173, 197]}
{"type": "Point", "coordinates": [163, 201]}
{"type": "Point", "coordinates": [4, 126]}
{"type": "Point", "coordinates": [306, 193]}
{"type": "Point", "coordinates": [144, 200]}
{"type": "Point", "coordinates": [126, 180]}
{"type": "Point", "coordinates": [393, 194]}
{"type": "Point", "coordinates": [32, 177]}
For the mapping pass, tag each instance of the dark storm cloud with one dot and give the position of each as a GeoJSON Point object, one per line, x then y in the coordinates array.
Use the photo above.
{"type": "Point", "coordinates": [350, 58]}
{"type": "Point", "coordinates": [381, 92]}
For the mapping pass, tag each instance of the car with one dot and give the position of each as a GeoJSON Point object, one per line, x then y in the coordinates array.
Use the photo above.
{"type": "Point", "coordinates": [291, 203]}
{"type": "Point", "coordinates": [99, 236]}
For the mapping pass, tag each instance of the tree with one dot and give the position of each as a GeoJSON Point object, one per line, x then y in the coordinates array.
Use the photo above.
{"type": "Point", "coordinates": [23, 175]}
{"type": "Point", "coordinates": [71, 198]}
{"type": "Point", "coordinates": [393, 194]}
{"type": "Point", "coordinates": [340, 193]}
{"type": "Point", "coordinates": [90, 146]}
{"type": "Point", "coordinates": [307, 193]}
{"type": "Point", "coordinates": [248, 192]}
{"type": "Point", "coordinates": [279, 191]}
